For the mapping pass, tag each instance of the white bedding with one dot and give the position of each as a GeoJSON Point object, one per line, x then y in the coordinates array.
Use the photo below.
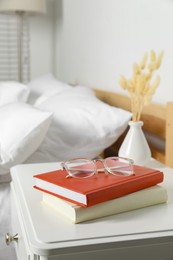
{"type": "Point", "coordinates": [81, 125]}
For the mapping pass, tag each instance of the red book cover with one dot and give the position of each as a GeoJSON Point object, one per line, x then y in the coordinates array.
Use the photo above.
{"type": "Point", "coordinates": [98, 188]}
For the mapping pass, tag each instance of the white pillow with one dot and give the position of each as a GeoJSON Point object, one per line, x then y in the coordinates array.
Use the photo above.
{"type": "Point", "coordinates": [82, 126]}
{"type": "Point", "coordinates": [45, 85]}
{"type": "Point", "coordinates": [79, 90]}
{"type": "Point", "coordinates": [11, 91]}
{"type": "Point", "coordinates": [22, 130]}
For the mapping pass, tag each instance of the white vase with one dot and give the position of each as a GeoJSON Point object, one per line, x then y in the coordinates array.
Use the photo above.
{"type": "Point", "coordinates": [135, 145]}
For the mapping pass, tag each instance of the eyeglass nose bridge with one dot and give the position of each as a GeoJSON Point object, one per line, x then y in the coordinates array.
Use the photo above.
{"type": "Point", "coordinates": [104, 169]}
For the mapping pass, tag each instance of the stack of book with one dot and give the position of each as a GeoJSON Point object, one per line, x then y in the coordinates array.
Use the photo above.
{"type": "Point", "coordinates": [100, 195]}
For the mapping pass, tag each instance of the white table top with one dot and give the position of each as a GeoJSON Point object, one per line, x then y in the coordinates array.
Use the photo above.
{"type": "Point", "coordinates": [48, 231]}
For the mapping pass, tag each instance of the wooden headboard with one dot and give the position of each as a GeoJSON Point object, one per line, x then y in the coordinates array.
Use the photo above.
{"type": "Point", "coordinates": [158, 121]}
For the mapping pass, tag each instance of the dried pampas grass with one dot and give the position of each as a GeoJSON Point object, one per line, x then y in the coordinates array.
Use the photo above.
{"type": "Point", "coordinates": [140, 88]}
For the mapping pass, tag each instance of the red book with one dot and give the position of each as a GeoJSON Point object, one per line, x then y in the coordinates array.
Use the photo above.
{"type": "Point", "coordinates": [98, 188]}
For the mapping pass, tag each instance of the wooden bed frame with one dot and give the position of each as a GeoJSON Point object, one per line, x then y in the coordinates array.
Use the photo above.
{"type": "Point", "coordinates": [158, 121]}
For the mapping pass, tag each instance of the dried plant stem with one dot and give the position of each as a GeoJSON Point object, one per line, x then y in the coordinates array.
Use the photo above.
{"type": "Point", "coordinates": [136, 106]}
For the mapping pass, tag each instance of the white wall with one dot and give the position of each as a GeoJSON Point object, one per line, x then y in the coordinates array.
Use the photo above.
{"type": "Point", "coordinates": [98, 40]}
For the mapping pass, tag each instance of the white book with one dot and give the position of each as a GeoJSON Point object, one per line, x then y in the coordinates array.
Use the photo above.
{"type": "Point", "coordinates": [76, 214]}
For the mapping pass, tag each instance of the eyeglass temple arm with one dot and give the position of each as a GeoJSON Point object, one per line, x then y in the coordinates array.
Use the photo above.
{"type": "Point", "coordinates": [63, 168]}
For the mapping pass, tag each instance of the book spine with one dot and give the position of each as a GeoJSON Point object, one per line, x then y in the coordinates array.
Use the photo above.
{"type": "Point", "coordinates": [124, 188]}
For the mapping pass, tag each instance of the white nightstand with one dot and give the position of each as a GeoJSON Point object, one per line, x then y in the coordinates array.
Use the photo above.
{"type": "Point", "coordinates": [43, 234]}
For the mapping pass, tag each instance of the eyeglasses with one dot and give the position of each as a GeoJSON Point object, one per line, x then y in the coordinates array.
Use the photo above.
{"type": "Point", "coordinates": [84, 168]}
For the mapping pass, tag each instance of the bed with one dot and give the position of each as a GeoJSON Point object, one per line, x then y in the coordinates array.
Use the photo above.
{"type": "Point", "coordinates": [68, 122]}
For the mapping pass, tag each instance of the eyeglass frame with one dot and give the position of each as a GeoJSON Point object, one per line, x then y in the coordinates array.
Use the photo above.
{"type": "Point", "coordinates": [96, 170]}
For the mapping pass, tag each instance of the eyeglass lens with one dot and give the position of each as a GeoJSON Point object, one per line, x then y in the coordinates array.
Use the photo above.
{"type": "Point", "coordinates": [81, 168]}
{"type": "Point", "coordinates": [119, 166]}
